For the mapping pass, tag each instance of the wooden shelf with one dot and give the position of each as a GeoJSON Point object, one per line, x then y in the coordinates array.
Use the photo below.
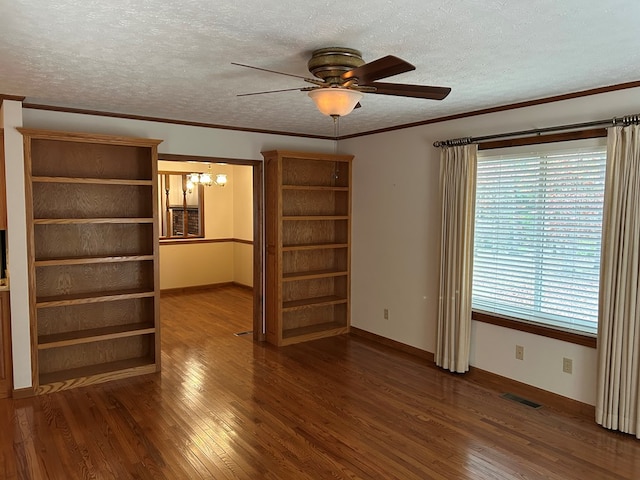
{"type": "Point", "coordinates": [314, 217]}
{"type": "Point", "coordinates": [289, 277]}
{"type": "Point", "coordinates": [77, 377]}
{"type": "Point", "coordinates": [320, 188]}
{"type": "Point", "coordinates": [91, 260]}
{"type": "Point", "coordinates": [94, 335]}
{"type": "Point", "coordinates": [90, 181]}
{"type": "Point", "coordinates": [312, 331]}
{"type": "Point", "coordinates": [313, 246]}
{"type": "Point", "coordinates": [95, 297]}
{"type": "Point", "coordinates": [81, 221]}
{"type": "Point", "coordinates": [92, 239]}
{"type": "Point", "coordinates": [313, 302]}
{"type": "Point", "coordinates": [308, 221]}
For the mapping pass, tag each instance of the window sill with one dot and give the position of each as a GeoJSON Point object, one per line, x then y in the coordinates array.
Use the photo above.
{"type": "Point", "coordinates": [515, 324]}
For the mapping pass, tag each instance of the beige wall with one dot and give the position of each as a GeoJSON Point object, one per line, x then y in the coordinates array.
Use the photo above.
{"type": "Point", "coordinates": [396, 251]}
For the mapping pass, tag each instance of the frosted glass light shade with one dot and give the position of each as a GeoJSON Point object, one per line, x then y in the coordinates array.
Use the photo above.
{"type": "Point", "coordinates": [335, 101]}
{"type": "Point", "coordinates": [221, 179]}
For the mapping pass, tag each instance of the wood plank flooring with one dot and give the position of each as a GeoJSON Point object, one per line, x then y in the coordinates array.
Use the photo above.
{"type": "Point", "coordinates": [225, 407]}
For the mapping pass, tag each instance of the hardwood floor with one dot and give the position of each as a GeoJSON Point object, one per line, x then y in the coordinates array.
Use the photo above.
{"type": "Point", "coordinates": [339, 408]}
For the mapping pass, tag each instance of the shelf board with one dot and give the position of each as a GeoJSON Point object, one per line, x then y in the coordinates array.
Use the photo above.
{"type": "Point", "coordinates": [76, 377]}
{"type": "Point", "coordinates": [81, 221]}
{"type": "Point", "coordinates": [94, 335]}
{"type": "Point", "coordinates": [313, 302]}
{"type": "Point", "coordinates": [94, 181]}
{"type": "Point", "coordinates": [313, 246]}
{"type": "Point", "coordinates": [289, 277]}
{"type": "Point", "coordinates": [314, 217]}
{"type": "Point", "coordinates": [310, 332]}
{"type": "Point", "coordinates": [64, 300]}
{"type": "Point", "coordinates": [321, 188]}
{"type": "Point", "coordinates": [92, 259]}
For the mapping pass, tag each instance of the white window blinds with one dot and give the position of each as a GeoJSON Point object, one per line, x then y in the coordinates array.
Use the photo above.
{"type": "Point", "coordinates": [538, 235]}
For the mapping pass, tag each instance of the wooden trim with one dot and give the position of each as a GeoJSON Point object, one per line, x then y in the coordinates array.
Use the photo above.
{"type": "Point", "coordinates": [170, 157]}
{"type": "Point", "coordinates": [53, 108]}
{"type": "Point", "coordinates": [539, 139]}
{"type": "Point", "coordinates": [536, 329]}
{"type": "Point", "coordinates": [492, 381]}
{"type": "Point", "coordinates": [417, 352]}
{"type": "Point", "coordinates": [502, 108]}
{"type": "Point", "coordinates": [24, 392]}
{"type": "Point", "coordinates": [16, 98]}
{"type": "Point", "coordinates": [259, 330]}
{"type": "Point", "coordinates": [543, 397]}
{"type": "Point", "coordinates": [242, 285]}
{"type": "Point", "coordinates": [175, 241]}
{"type": "Point", "coordinates": [327, 157]}
{"type": "Point", "coordinates": [195, 288]}
{"type": "Point", "coordinates": [203, 288]}
{"type": "Point", "coordinates": [44, 134]}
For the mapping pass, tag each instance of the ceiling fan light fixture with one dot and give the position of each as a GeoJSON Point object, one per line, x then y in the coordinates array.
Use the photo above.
{"type": "Point", "coordinates": [335, 101]}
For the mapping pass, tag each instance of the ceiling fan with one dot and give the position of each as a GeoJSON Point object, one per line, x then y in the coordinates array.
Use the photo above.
{"type": "Point", "coordinates": [342, 76]}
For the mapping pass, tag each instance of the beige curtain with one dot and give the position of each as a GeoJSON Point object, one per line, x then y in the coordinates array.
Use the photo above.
{"type": "Point", "coordinates": [458, 195]}
{"type": "Point", "coordinates": [618, 399]}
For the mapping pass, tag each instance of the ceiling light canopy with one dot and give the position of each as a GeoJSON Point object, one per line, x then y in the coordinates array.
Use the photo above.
{"type": "Point", "coordinates": [335, 101]}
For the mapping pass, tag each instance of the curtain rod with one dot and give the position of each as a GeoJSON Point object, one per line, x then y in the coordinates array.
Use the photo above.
{"type": "Point", "coordinates": [624, 121]}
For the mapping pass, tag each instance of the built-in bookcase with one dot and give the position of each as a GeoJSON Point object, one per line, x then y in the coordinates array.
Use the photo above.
{"type": "Point", "coordinates": [93, 257]}
{"type": "Point", "coordinates": [308, 234]}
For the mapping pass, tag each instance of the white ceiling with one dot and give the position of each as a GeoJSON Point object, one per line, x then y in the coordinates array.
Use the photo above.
{"type": "Point", "coordinates": [172, 59]}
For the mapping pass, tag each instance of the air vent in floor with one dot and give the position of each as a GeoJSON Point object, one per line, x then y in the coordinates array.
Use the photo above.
{"type": "Point", "coordinates": [524, 401]}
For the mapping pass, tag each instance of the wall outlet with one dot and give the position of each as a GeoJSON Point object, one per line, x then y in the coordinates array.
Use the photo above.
{"type": "Point", "coordinates": [567, 365]}
{"type": "Point", "coordinates": [519, 352]}
{"type": "Point", "coordinates": [386, 314]}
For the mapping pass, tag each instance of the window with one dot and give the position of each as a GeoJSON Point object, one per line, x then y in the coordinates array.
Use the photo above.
{"type": "Point", "coordinates": [538, 235]}
{"type": "Point", "coordinates": [181, 206]}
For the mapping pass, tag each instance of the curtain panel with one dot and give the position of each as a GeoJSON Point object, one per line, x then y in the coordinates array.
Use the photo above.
{"type": "Point", "coordinates": [458, 196]}
{"type": "Point", "coordinates": [618, 399]}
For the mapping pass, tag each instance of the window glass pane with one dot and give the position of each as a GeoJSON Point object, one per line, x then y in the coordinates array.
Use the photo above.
{"type": "Point", "coordinates": [537, 235]}
{"type": "Point", "coordinates": [180, 206]}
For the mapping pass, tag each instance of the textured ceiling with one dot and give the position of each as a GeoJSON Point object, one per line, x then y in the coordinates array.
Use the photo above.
{"type": "Point", "coordinates": [172, 59]}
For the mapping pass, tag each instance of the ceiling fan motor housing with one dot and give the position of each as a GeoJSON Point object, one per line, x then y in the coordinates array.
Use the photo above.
{"type": "Point", "coordinates": [329, 63]}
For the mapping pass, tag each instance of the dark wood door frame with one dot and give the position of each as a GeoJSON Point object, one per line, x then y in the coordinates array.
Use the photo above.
{"type": "Point", "coordinates": [258, 220]}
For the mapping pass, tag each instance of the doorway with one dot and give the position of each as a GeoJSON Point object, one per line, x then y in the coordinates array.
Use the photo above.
{"type": "Point", "coordinates": [253, 269]}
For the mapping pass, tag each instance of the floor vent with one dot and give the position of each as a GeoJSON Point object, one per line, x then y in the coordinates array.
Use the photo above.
{"type": "Point", "coordinates": [524, 401]}
{"type": "Point", "coordinates": [239, 334]}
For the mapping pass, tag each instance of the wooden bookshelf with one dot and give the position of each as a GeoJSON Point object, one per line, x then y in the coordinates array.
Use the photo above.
{"type": "Point", "coordinates": [308, 225]}
{"type": "Point", "coordinates": [93, 257]}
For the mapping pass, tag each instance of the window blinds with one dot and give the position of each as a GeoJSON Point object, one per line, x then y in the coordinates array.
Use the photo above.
{"type": "Point", "coordinates": [538, 236]}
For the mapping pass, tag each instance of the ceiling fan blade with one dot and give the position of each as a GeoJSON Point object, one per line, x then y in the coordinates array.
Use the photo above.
{"type": "Point", "coordinates": [406, 90]}
{"type": "Point", "coordinates": [311, 80]}
{"type": "Point", "coordinates": [268, 91]}
{"type": "Point", "coordinates": [381, 68]}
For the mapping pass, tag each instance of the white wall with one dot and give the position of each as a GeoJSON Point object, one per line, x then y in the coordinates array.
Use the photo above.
{"type": "Point", "coordinates": [395, 240]}
{"type": "Point", "coordinates": [178, 139]}
{"type": "Point", "coordinates": [17, 244]}
{"type": "Point", "coordinates": [395, 236]}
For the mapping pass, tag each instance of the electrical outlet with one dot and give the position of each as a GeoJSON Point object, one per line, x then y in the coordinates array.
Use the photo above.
{"type": "Point", "coordinates": [386, 314]}
{"type": "Point", "coordinates": [567, 365]}
{"type": "Point", "coordinates": [519, 352]}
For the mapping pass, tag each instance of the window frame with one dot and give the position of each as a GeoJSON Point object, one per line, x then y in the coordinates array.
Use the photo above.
{"type": "Point", "coordinates": [164, 214]}
{"type": "Point", "coordinates": [579, 338]}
